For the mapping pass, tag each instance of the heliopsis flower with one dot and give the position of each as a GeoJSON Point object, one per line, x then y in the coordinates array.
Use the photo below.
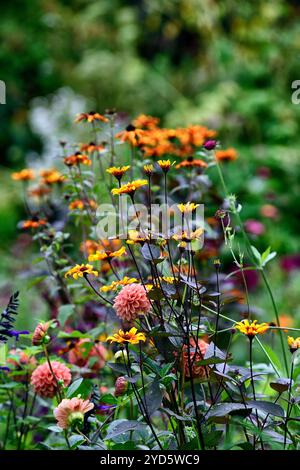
{"type": "Point", "coordinates": [148, 169]}
{"type": "Point", "coordinates": [90, 117]}
{"type": "Point", "coordinates": [131, 336]}
{"type": "Point", "coordinates": [129, 188]}
{"type": "Point", "coordinates": [184, 236]}
{"type": "Point", "coordinates": [193, 354]}
{"type": "Point", "coordinates": [251, 329]}
{"type": "Point", "coordinates": [131, 135]}
{"type": "Point", "coordinates": [40, 334]}
{"type": "Point", "coordinates": [294, 343]}
{"type": "Point", "coordinates": [122, 282]}
{"type": "Point", "coordinates": [84, 350]}
{"type": "Point", "coordinates": [226, 155]}
{"type": "Point", "coordinates": [51, 176]}
{"type": "Point", "coordinates": [90, 246]}
{"type": "Point", "coordinates": [165, 165]}
{"type": "Point", "coordinates": [187, 208]}
{"type": "Point", "coordinates": [118, 171]}
{"type": "Point", "coordinates": [43, 381]}
{"type": "Point", "coordinates": [102, 255]}
{"type": "Point", "coordinates": [191, 163]}
{"type": "Point", "coordinates": [70, 412]}
{"type": "Point", "coordinates": [23, 175]}
{"type": "Point", "coordinates": [77, 159]}
{"type": "Point", "coordinates": [79, 204]}
{"type": "Point", "coordinates": [33, 223]}
{"type": "Point", "coordinates": [39, 191]}
{"type": "Point", "coordinates": [91, 147]}
{"type": "Point", "coordinates": [81, 270]}
{"type": "Point", "coordinates": [131, 302]}
{"type": "Point", "coordinates": [135, 237]}
{"type": "Point", "coordinates": [146, 122]}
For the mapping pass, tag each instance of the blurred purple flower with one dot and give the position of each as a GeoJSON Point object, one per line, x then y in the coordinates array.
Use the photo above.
{"type": "Point", "coordinates": [290, 262]}
{"type": "Point", "coordinates": [263, 172]}
{"type": "Point", "coordinates": [210, 144]}
{"type": "Point", "coordinates": [254, 227]}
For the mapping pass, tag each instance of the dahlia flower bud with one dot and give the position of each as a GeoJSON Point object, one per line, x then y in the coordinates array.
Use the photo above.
{"type": "Point", "coordinates": [40, 334]}
{"type": "Point", "coordinates": [70, 412]}
{"type": "Point", "coordinates": [43, 381]}
{"type": "Point", "coordinates": [121, 386]}
{"type": "Point", "coordinates": [131, 302]}
{"type": "Point", "coordinates": [210, 144]}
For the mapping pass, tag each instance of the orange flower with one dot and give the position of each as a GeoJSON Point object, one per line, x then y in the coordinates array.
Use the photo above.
{"type": "Point", "coordinates": [39, 191]}
{"type": "Point", "coordinates": [132, 337]}
{"type": "Point", "coordinates": [226, 155]}
{"type": "Point", "coordinates": [51, 176]}
{"type": "Point", "coordinates": [252, 328]}
{"type": "Point", "coordinates": [90, 246]}
{"type": "Point", "coordinates": [91, 147]}
{"type": "Point", "coordinates": [131, 135]}
{"type": "Point", "coordinates": [80, 204]}
{"type": "Point", "coordinates": [191, 163]}
{"type": "Point", "coordinates": [146, 122]}
{"type": "Point", "coordinates": [102, 255]}
{"type": "Point", "coordinates": [33, 223]}
{"type": "Point", "coordinates": [77, 159]}
{"type": "Point", "coordinates": [90, 117]}
{"type": "Point", "coordinates": [23, 175]}
{"type": "Point", "coordinates": [81, 270]}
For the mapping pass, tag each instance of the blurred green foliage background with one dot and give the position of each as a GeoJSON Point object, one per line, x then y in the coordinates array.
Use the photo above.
{"type": "Point", "coordinates": [224, 63]}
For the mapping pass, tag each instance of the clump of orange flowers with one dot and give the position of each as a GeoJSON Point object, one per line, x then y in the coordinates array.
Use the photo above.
{"type": "Point", "coordinates": [24, 175]}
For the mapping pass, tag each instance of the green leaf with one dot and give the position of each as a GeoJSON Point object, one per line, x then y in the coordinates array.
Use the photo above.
{"type": "Point", "coordinates": [267, 407]}
{"type": "Point", "coordinates": [82, 387]}
{"type": "Point", "coordinates": [64, 312]}
{"type": "Point", "coordinates": [75, 440]}
{"type": "Point", "coordinates": [256, 253]}
{"type": "Point", "coordinates": [120, 426]}
{"type": "Point", "coordinates": [109, 399]}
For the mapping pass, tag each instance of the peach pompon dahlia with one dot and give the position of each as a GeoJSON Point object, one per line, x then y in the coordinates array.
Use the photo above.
{"type": "Point", "coordinates": [131, 302]}
{"type": "Point", "coordinates": [43, 381]}
{"type": "Point", "coordinates": [196, 354]}
{"type": "Point", "coordinates": [70, 412]}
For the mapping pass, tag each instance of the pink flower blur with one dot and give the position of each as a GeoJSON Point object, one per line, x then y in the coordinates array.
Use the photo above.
{"type": "Point", "coordinates": [80, 354]}
{"type": "Point", "coordinates": [254, 227]}
{"type": "Point", "coordinates": [196, 355]}
{"type": "Point", "coordinates": [131, 302]}
{"type": "Point", "coordinates": [43, 381]}
{"type": "Point", "coordinates": [63, 412]}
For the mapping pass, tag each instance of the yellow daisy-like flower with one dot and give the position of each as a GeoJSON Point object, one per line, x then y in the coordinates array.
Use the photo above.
{"type": "Point", "coordinates": [101, 255]}
{"type": "Point", "coordinates": [123, 282]}
{"type": "Point", "coordinates": [165, 165]}
{"type": "Point", "coordinates": [188, 237]}
{"type": "Point", "coordinates": [131, 336]}
{"type": "Point", "coordinates": [90, 117]}
{"type": "Point", "coordinates": [148, 169]}
{"type": "Point", "coordinates": [187, 208]}
{"type": "Point", "coordinates": [118, 171]}
{"type": "Point", "coordinates": [135, 237]}
{"type": "Point", "coordinates": [251, 329]}
{"type": "Point", "coordinates": [81, 270]}
{"type": "Point", "coordinates": [23, 175]}
{"type": "Point", "coordinates": [129, 188]}
{"type": "Point", "coordinates": [294, 343]}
